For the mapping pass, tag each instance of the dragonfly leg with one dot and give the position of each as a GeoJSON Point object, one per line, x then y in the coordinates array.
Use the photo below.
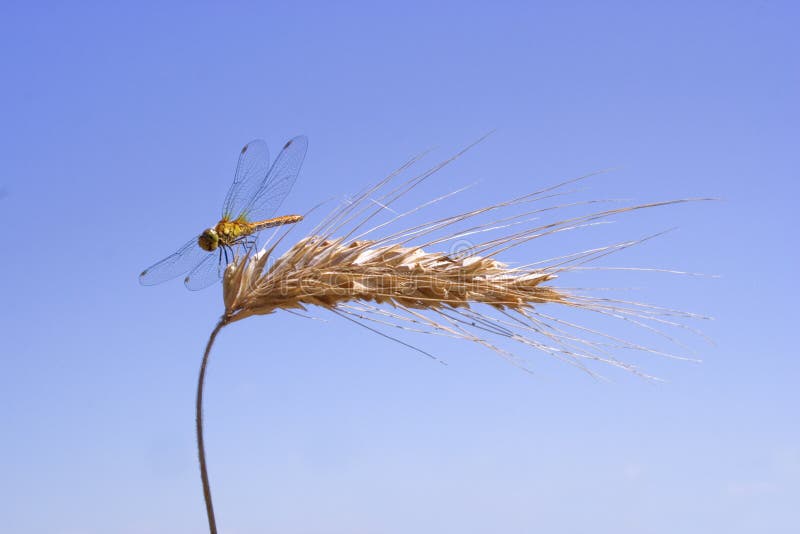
{"type": "Point", "coordinates": [246, 242]}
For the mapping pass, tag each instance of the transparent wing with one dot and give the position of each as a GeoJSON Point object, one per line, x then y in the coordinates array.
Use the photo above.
{"type": "Point", "coordinates": [251, 171]}
{"type": "Point", "coordinates": [184, 260]}
{"type": "Point", "coordinates": [210, 270]}
{"type": "Point", "coordinates": [278, 181]}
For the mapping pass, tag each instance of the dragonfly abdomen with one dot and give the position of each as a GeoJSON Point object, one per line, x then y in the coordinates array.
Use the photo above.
{"type": "Point", "coordinates": [275, 221]}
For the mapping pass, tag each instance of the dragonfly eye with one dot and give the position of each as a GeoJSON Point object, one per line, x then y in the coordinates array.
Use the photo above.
{"type": "Point", "coordinates": [208, 240]}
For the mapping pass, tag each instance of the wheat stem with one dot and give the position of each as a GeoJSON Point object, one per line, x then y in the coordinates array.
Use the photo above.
{"type": "Point", "coordinates": [201, 449]}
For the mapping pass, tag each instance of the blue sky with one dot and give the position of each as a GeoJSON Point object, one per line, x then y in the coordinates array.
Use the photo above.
{"type": "Point", "coordinates": [121, 128]}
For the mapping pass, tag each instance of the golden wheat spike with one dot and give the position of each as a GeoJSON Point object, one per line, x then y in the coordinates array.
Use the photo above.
{"type": "Point", "coordinates": [474, 297]}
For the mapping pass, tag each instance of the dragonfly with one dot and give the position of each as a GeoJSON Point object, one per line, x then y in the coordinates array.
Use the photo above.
{"type": "Point", "coordinates": [257, 192]}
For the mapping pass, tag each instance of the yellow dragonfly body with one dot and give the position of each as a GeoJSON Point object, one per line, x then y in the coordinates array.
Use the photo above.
{"type": "Point", "coordinates": [228, 233]}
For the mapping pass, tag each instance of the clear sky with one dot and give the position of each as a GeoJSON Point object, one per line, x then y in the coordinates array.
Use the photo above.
{"type": "Point", "coordinates": [120, 131]}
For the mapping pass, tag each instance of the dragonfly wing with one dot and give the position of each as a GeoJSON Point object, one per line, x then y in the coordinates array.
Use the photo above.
{"type": "Point", "coordinates": [278, 181]}
{"type": "Point", "coordinates": [184, 260]}
{"type": "Point", "coordinates": [210, 270]}
{"type": "Point", "coordinates": [250, 174]}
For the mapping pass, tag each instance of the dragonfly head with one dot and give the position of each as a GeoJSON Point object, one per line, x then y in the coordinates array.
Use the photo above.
{"type": "Point", "coordinates": [208, 240]}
